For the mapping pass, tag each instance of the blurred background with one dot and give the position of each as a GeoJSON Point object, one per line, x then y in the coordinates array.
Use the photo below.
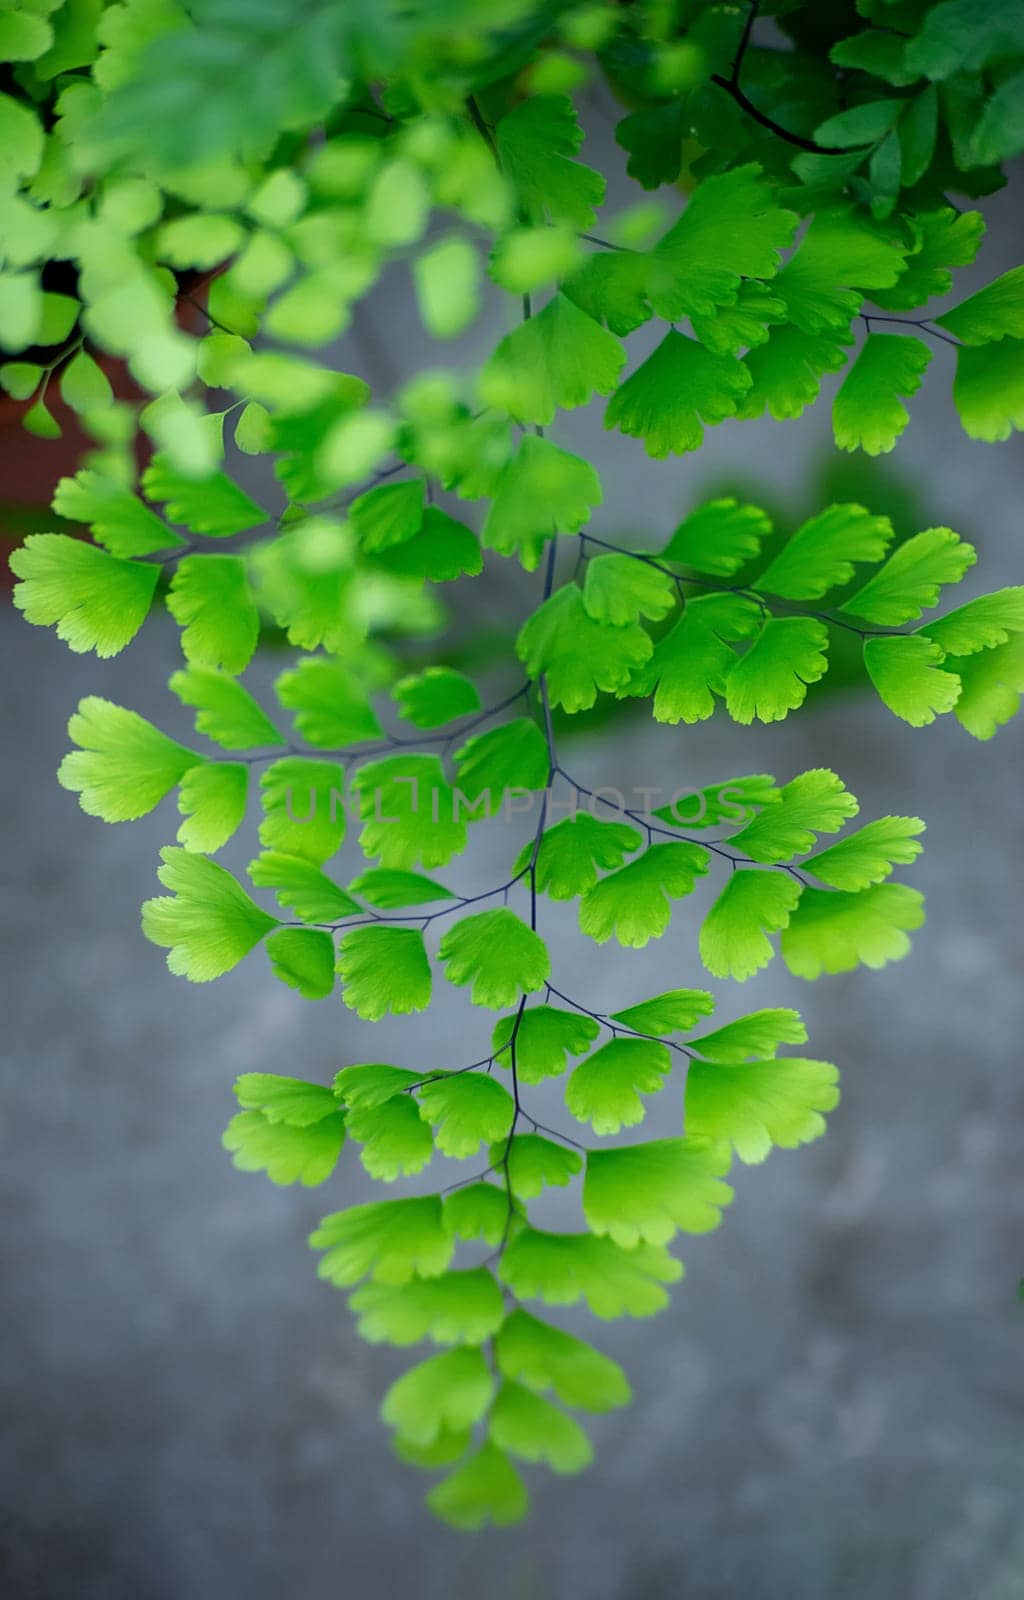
{"type": "Point", "coordinates": [832, 1405]}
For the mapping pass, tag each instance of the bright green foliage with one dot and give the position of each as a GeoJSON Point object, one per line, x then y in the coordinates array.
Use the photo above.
{"type": "Point", "coordinates": [734, 939]}
{"type": "Point", "coordinates": [435, 696]}
{"type": "Point", "coordinates": [541, 492]}
{"type": "Point", "coordinates": [97, 601]}
{"type": "Point", "coordinates": [620, 590]}
{"type": "Point", "coordinates": [908, 675]}
{"type": "Point", "coordinates": [868, 413]}
{"type": "Point", "coordinates": [302, 813]}
{"type": "Point", "coordinates": [497, 954]}
{"type": "Point", "coordinates": [290, 1100]}
{"type": "Point", "coordinates": [447, 1391]}
{"type": "Point", "coordinates": [479, 1211]}
{"type": "Point", "coordinates": [384, 970]}
{"type": "Point", "coordinates": [757, 1104]}
{"type": "Point", "coordinates": [948, 239]}
{"type": "Point", "coordinates": [513, 755]}
{"type": "Point", "coordinates": [303, 958]}
{"type": "Point", "coordinates": [485, 1488]}
{"type": "Point", "coordinates": [980, 624]}
{"type": "Point", "coordinates": [788, 368]}
{"type": "Point", "coordinates": [821, 554]}
{"type": "Point", "coordinates": [286, 1152]}
{"type": "Point", "coordinates": [718, 537]}
{"type": "Point", "coordinates": [207, 923]}
{"type": "Point", "coordinates": [815, 802]}
{"type": "Point", "coordinates": [442, 550]}
{"type": "Point", "coordinates": [331, 707]}
{"type": "Point", "coordinates": [211, 599]}
{"type": "Point", "coordinates": [991, 685]}
{"type": "Point", "coordinates": [833, 931]}
{"type": "Point", "coordinates": [605, 1090]}
{"type": "Point", "coordinates": [396, 1142]}
{"type": "Point", "coordinates": [544, 1039]}
{"type": "Point", "coordinates": [447, 287]}
{"type": "Point", "coordinates": [262, 171]}
{"type": "Point", "coordinates": [734, 800]}
{"type": "Point", "coordinates": [117, 518]}
{"type": "Point", "coordinates": [452, 1308]}
{"type": "Point", "coordinates": [543, 1357]}
{"type": "Point", "coordinates": [371, 1084]}
{"type": "Point", "coordinates": [389, 514]}
{"type": "Point", "coordinates": [409, 811]}
{"type": "Point", "coordinates": [535, 1164]}
{"type": "Point", "coordinates": [676, 390]}
{"type": "Point", "coordinates": [988, 389]}
{"type": "Point", "coordinates": [869, 855]}
{"type": "Point", "coordinates": [569, 855]}
{"type": "Point", "coordinates": [388, 890]}
{"type": "Point", "coordinates": [758, 1034]}
{"type": "Point", "coordinates": [771, 679]}
{"type": "Point", "coordinates": [123, 766]}
{"type": "Point", "coordinates": [213, 799]}
{"type": "Point", "coordinates": [214, 506]}
{"type": "Point", "coordinates": [840, 257]}
{"type": "Point", "coordinates": [530, 1427]}
{"type": "Point", "coordinates": [564, 1268]}
{"type": "Point", "coordinates": [536, 142]}
{"type": "Point", "coordinates": [225, 710]}
{"type": "Point", "coordinates": [576, 655]}
{"type": "Point", "coordinates": [732, 229]}
{"type": "Point", "coordinates": [467, 1109]}
{"type": "Point", "coordinates": [691, 664]}
{"type": "Point", "coordinates": [390, 1241]}
{"type": "Point", "coordinates": [558, 359]}
{"type": "Point", "coordinates": [675, 1012]}
{"type": "Point", "coordinates": [300, 886]}
{"type": "Point", "coordinates": [645, 1192]}
{"type": "Point", "coordinates": [912, 577]}
{"type": "Point", "coordinates": [634, 904]}
{"type": "Point", "coordinates": [992, 313]}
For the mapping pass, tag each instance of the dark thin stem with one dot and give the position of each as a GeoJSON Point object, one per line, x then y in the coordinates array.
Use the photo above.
{"type": "Point", "coordinates": [924, 323]}
{"type": "Point", "coordinates": [732, 87]}
{"type": "Point", "coordinates": [556, 1133]}
{"type": "Point", "coordinates": [417, 916]}
{"type": "Point", "coordinates": [746, 593]}
{"type": "Point", "coordinates": [617, 1027]}
{"type": "Point", "coordinates": [482, 128]}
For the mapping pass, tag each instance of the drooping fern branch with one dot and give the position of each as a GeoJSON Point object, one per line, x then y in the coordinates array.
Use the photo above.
{"type": "Point", "coordinates": [258, 168]}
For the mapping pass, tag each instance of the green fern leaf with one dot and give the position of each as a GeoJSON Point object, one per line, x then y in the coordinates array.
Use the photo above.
{"type": "Point", "coordinates": [123, 766]}
{"type": "Point", "coordinates": [634, 903]}
{"type": "Point", "coordinates": [911, 579]}
{"type": "Point", "coordinates": [833, 931]}
{"type": "Point", "coordinates": [907, 674]}
{"type": "Point", "coordinates": [498, 954]}
{"type": "Point", "coordinates": [734, 937]}
{"type": "Point", "coordinates": [556, 360]}
{"type": "Point", "coordinates": [390, 1241]}
{"type": "Point", "coordinates": [97, 601]}
{"type": "Point", "coordinates": [543, 1357]}
{"type": "Point", "coordinates": [605, 1089]}
{"type": "Point", "coordinates": [757, 1104]}
{"type": "Point", "coordinates": [678, 388]}
{"type": "Point", "coordinates": [384, 970]}
{"type": "Point", "coordinates": [644, 1193]}
{"type": "Point", "coordinates": [544, 1039]}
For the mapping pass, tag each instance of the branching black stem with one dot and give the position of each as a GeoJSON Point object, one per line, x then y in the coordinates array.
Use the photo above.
{"type": "Point", "coordinates": [733, 88]}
